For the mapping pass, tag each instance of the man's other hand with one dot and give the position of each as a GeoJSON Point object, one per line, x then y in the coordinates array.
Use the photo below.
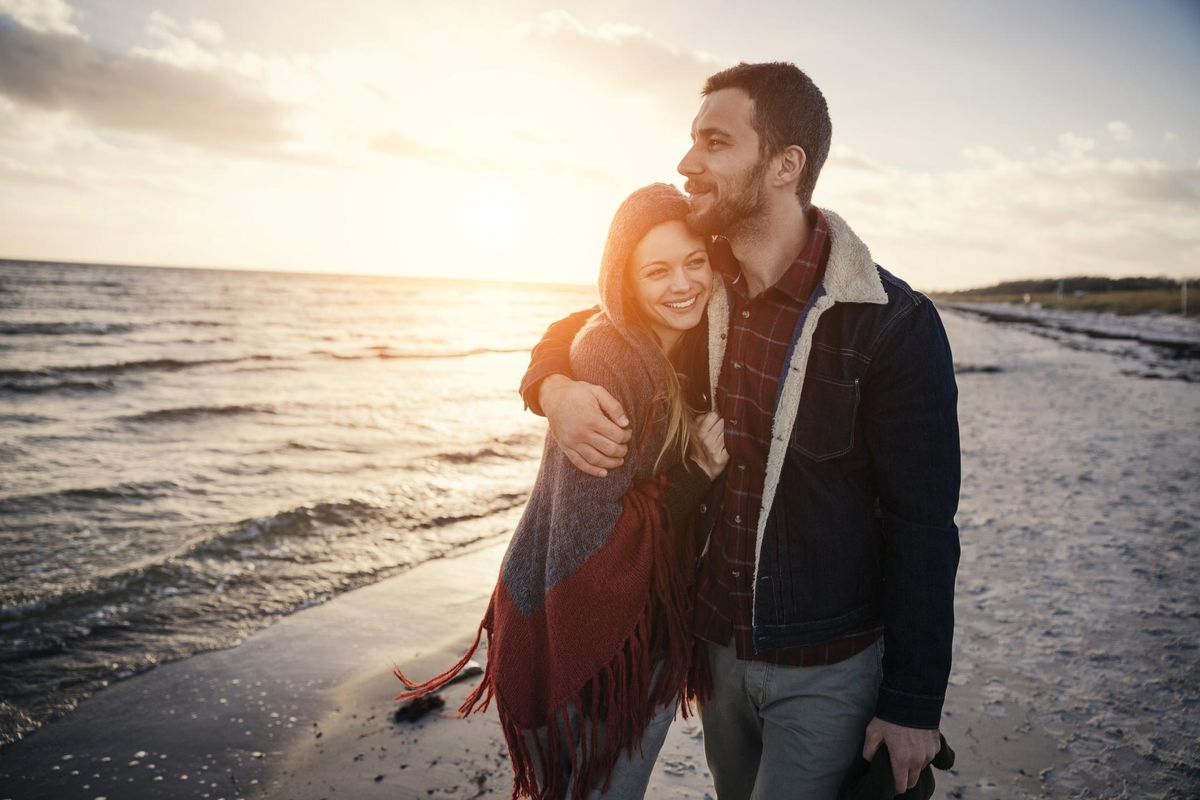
{"type": "Point", "coordinates": [587, 422]}
{"type": "Point", "coordinates": [910, 750]}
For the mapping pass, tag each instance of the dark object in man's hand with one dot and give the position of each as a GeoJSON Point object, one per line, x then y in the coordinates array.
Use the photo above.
{"type": "Point", "coordinates": [418, 707]}
{"type": "Point", "coordinates": [873, 781]}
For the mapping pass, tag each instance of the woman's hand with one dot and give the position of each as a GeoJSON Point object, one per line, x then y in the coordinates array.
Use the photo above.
{"type": "Point", "coordinates": [712, 457]}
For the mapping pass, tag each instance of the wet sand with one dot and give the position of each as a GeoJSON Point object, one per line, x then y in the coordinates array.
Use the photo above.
{"type": "Point", "coordinates": [1076, 671]}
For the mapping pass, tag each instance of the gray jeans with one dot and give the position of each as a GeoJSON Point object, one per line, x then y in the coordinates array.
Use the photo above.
{"type": "Point", "coordinates": [786, 732]}
{"type": "Point", "coordinates": [631, 773]}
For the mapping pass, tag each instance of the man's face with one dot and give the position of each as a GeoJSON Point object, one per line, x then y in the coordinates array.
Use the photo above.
{"type": "Point", "coordinates": [723, 169]}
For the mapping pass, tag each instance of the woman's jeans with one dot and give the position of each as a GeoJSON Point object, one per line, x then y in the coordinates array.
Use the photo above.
{"type": "Point", "coordinates": [631, 773]}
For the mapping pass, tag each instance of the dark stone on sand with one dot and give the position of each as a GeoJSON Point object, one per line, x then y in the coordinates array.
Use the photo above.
{"type": "Point", "coordinates": [418, 707]}
{"type": "Point", "coordinates": [966, 369]}
{"type": "Point", "coordinates": [469, 671]}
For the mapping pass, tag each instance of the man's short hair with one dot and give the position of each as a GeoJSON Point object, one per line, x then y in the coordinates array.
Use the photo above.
{"type": "Point", "coordinates": [789, 109]}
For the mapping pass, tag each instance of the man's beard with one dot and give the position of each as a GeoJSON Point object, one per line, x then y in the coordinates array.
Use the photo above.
{"type": "Point", "coordinates": [734, 208]}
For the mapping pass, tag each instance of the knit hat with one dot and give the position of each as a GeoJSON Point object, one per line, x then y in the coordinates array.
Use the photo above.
{"type": "Point", "coordinates": [647, 207]}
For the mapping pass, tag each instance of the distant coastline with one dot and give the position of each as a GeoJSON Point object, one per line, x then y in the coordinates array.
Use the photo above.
{"type": "Point", "coordinates": [1121, 296]}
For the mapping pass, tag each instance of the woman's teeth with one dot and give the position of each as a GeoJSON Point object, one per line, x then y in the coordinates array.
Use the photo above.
{"type": "Point", "coordinates": [682, 304]}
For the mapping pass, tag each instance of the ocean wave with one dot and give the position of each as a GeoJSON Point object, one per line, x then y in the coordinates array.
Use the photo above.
{"type": "Point", "coordinates": [24, 419]}
{"type": "Point", "coordinates": [292, 523]}
{"type": "Point", "coordinates": [65, 328]}
{"type": "Point", "coordinates": [190, 413]}
{"type": "Point", "coordinates": [101, 597]}
{"type": "Point", "coordinates": [87, 496]}
{"type": "Point", "coordinates": [472, 456]}
{"type": "Point", "coordinates": [384, 352]}
{"type": "Point", "coordinates": [164, 364]}
{"type": "Point", "coordinates": [47, 386]}
{"type": "Point", "coordinates": [15, 376]}
{"type": "Point", "coordinates": [321, 448]}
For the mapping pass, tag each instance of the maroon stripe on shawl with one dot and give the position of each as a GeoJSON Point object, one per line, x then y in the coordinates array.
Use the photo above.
{"type": "Point", "coordinates": [592, 647]}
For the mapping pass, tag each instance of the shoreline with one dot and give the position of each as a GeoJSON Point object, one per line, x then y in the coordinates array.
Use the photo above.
{"type": "Point", "coordinates": [1179, 335]}
{"type": "Point", "coordinates": [222, 723]}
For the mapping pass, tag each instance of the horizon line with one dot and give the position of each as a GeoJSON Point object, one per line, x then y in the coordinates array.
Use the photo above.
{"type": "Point", "coordinates": [292, 271]}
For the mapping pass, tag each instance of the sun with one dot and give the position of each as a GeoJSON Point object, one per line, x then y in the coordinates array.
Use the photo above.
{"type": "Point", "coordinates": [493, 216]}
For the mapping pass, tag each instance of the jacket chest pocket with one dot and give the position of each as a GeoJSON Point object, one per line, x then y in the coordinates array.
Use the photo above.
{"type": "Point", "coordinates": [825, 422]}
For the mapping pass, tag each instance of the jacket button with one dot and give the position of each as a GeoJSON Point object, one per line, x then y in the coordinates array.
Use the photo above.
{"type": "Point", "coordinates": [737, 365]}
{"type": "Point", "coordinates": [745, 314]}
{"type": "Point", "coordinates": [741, 467]}
{"type": "Point", "coordinates": [736, 574]}
{"type": "Point", "coordinates": [737, 517]}
{"type": "Point", "coordinates": [703, 508]}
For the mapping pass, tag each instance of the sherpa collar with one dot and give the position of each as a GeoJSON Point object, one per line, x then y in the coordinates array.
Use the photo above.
{"type": "Point", "coordinates": [850, 277]}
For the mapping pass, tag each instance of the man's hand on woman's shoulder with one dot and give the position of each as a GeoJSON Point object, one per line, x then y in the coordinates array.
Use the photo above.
{"type": "Point", "coordinates": [588, 423]}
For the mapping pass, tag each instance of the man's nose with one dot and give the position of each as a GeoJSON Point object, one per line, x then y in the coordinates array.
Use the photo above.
{"type": "Point", "coordinates": [688, 164]}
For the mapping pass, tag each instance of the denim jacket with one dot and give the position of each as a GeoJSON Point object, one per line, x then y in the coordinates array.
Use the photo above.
{"type": "Point", "coordinates": [857, 520]}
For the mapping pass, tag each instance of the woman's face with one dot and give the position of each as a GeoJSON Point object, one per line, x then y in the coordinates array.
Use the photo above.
{"type": "Point", "coordinates": [671, 279]}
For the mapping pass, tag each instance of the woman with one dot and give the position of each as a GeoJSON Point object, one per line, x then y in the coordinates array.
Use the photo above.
{"type": "Point", "coordinates": [589, 624]}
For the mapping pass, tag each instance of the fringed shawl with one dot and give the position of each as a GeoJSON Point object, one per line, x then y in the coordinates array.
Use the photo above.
{"type": "Point", "coordinates": [595, 591]}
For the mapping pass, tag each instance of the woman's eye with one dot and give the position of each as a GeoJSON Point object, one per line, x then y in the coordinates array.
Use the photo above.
{"type": "Point", "coordinates": [698, 263]}
{"type": "Point", "coordinates": [657, 274]}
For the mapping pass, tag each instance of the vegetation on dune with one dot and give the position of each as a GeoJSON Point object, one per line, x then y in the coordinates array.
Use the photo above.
{"type": "Point", "coordinates": [1124, 296]}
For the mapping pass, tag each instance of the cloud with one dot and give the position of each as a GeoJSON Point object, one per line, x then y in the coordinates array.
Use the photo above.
{"type": "Point", "coordinates": [624, 56]}
{"type": "Point", "coordinates": [42, 16]}
{"type": "Point", "coordinates": [400, 145]}
{"type": "Point", "coordinates": [1072, 146]}
{"type": "Point", "coordinates": [12, 173]}
{"type": "Point", "coordinates": [1061, 211]}
{"type": "Point", "coordinates": [184, 45]}
{"type": "Point", "coordinates": [1120, 131]}
{"type": "Point", "coordinates": [842, 157]}
{"type": "Point", "coordinates": [56, 71]}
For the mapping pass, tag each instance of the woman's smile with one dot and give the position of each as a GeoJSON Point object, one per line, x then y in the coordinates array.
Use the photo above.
{"type": "Point", "coordinates": [682, 305]}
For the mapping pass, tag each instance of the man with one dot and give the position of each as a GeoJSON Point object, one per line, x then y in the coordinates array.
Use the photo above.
{"type": "Point", "coordinates": [831, 532]}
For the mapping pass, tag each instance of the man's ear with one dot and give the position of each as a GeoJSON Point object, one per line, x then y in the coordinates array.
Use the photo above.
{"type": "Point", "coordinates": [791, 165]}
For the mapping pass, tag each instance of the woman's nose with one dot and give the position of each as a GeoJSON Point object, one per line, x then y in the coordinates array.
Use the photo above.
{"type": "Point", "coordinates": [679, 280]}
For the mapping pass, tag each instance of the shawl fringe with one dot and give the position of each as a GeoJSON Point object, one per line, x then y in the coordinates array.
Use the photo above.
{"type": "Point", "coordinates": [576, 750]}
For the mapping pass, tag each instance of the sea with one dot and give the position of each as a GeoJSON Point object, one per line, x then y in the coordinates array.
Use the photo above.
{"type": "Point", "coordinates": [188, 454]}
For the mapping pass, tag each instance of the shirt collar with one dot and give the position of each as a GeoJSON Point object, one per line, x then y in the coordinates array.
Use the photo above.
{"type": "Point", "coordinates": [806, 270]}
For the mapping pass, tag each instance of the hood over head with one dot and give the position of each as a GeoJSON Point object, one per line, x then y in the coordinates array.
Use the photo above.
{"type": "Point", "coordinates": [644, 209]}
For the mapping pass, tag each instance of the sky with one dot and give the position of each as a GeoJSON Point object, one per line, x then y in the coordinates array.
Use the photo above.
{"type": "Point", "coordinates": [972, 142]}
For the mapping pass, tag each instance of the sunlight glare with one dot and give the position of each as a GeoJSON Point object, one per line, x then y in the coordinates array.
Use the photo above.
{"type": "Point", "coordinates": [493, 216]}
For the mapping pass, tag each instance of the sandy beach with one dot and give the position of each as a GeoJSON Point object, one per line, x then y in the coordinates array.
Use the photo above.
{"type": "Point", "coordinates": [1075, 662]}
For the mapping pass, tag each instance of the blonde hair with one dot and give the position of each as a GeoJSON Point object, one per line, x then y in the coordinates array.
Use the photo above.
{"type": "Point", "coordinates": [682, 431]}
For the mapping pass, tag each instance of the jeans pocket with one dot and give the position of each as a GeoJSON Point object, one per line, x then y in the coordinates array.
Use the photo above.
{"type": "Point", "coordinates": [825, 422]}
